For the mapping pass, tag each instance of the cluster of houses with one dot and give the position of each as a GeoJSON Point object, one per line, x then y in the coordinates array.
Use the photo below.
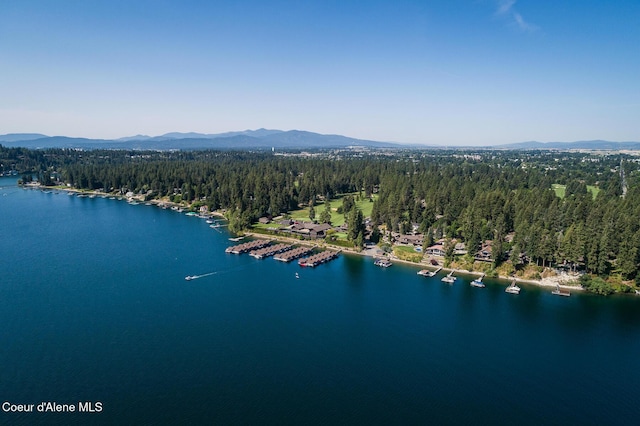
{"type": "Point", "coordinates": [305, 229]}
{"type": "Point", "coordinates": [314, 231]}
{"type": "Point", "coordinates": [439, 250]}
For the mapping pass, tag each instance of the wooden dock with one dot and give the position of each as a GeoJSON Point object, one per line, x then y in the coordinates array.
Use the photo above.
{"type": "Point", "coordinates": [428, 273]}
{"type": "Point", "coordinates": [318, 259]}
{"type": "Point", "coordinates": [560, 292]}
{"type": "Point", "coordinates": [478, 282]}
{"type": "Point", "coordinates": [270, 250]}
{"type": "Point", "coordinates": [247, 247]}
{"type": "Point", "coordinates": [290, 255]}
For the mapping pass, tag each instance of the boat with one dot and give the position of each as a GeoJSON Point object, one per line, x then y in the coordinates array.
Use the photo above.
{"type": "Point", "coordinates": [513, 288]}
{"type": "Point", "coordinates": [384, 263]}
{"type": "Point", "coordinates": [297, 276]}
{"type": "Point", "coordinates": [209, 221]}
{"type": "Point", "coordinates": [478, 282]}
{"type": "Point", "coordinates": [189, 277]}
{"type": "Point", "coordinates": [237, 239]}
{"type": "Point", "coordinates": [449, 279]}
{"type": "Point", "coordinates": [560, 292]}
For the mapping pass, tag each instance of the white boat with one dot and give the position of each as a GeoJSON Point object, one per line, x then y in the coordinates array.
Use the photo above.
{"type": "Point", "coordinates": [426, 273]}
{"type": "Point", "coordinates": [513, 288]}
{"type": "Point", "coordinates": [189, 277]}
{"type": "Point", "coordinates": [297, 276]}
{"type": "Point", "coordinates": [449, 279]}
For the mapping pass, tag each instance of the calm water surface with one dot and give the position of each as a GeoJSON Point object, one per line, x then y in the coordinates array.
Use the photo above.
{"type": "Point", "coordinates": [94, 307]}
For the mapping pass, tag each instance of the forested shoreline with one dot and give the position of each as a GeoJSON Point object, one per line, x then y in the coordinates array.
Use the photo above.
{"type": "Point", "coordinates": [578, 210]}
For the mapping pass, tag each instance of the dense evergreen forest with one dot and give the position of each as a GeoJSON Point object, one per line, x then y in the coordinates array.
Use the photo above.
{"type": "Point", "coordinates": [589, 222]}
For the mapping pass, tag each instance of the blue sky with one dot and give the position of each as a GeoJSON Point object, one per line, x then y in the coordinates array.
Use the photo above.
{"type": "Point", "coordinates": [450, 72]}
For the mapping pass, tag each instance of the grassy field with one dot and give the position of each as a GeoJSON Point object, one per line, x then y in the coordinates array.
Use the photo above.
{"type": "Point", "coordinates": [594, 190]}
{"type": "Point", "coordinates": [560, 190]}
{"type": "Point", "coordinates": [407, 253]}
{"type": "Point", "coordinates": [336, 219]}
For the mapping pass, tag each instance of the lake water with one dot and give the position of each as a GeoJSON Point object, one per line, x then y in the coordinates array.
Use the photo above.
{"type": "Point", "coordinates": [94, 307]}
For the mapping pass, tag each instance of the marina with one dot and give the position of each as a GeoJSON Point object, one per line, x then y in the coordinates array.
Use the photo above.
{"type": "Point", "coordinates": [270, 250]}
{"type": "Point", "coordinates": [318, 259]}
{"type": "Point", "coordinates": [293, 254]}
{"type": "Point", "coordinates": [247, 247]}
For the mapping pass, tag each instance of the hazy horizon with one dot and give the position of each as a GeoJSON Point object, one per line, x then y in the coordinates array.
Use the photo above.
{"type": "Point", "coordinates": [462, 72]}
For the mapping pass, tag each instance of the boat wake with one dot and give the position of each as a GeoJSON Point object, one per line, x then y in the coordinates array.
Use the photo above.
{"type": "Point", "coordinates": [195, 277]}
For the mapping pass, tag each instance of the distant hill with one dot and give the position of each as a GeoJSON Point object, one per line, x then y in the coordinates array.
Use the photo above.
{"type": "Point", "coordinates": [15, 137]}
{"type": "Point", "coordinates": [247, 139]}
{"type": "Point", "coordinates": [593, 145]}
{"type": "Point", "coordinates": [266, 139]}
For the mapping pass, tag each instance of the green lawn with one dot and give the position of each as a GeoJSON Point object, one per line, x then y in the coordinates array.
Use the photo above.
{"type": "Point", "coordinates": [561, 189]}
{"type": "Point", "coordinates": [594, 190]}
{"type": "Point", "coordinates": [407, 253]}
{"type": "Point", "coordinates": [336, 219]}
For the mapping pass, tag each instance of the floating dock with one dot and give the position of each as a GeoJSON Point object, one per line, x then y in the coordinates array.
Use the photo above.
{"type": "Point", "coordinates": [247, 247]}
{"type": "Point", "coordinates": [428, 273]}
{"type": "Point", "coordinates": [513, 288]}
{"type": "Point", "coordinates": [270, 250]}
{"type": "Point", "coordinates": [290, 255]}
{"type": "Point", "coordinates": [318, 259]}
{"type": "Point", "coordinates": [478, 282]}
{"type": "Point", "coordinates": [449, 279]}
{"type": "Point", "coordinates": [383, 263]}
{"type": "Point", "coordinates": [560, 292]}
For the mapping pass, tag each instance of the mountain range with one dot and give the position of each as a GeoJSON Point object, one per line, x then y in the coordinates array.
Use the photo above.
{"type": "Point", "coordinates": [248, 139]}
{"type": "Point", "coordinates": [267, 139]}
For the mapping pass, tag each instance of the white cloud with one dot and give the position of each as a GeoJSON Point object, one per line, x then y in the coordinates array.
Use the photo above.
{"type": "Point", "coordinates": [522, 24]}
{"type": "Point", "coordinates": [505, 8]}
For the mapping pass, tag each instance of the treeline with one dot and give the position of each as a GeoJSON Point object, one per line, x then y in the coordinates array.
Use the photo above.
{"type": "Point", "coordinates": [503, 196]}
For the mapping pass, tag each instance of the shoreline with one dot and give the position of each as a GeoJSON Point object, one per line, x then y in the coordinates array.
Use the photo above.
{"type": "Point", "coordinates": [544, 283]}
{"type": "Point", "coordinates": [539, 283]}
{"type": "Point", "coordinates": [137, 198]}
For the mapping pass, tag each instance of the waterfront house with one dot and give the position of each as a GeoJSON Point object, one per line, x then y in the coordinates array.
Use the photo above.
{"type": "Point", "coordinates": [484, 254]}
{"type": "Point", "coordinates": [415, 240]}
{"type": "Point", "coordinates": [310, 229]}
{"type": "Point", "coordinates": [460, 249]}
{"type": "Point", "coordinates": [435, 250]}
